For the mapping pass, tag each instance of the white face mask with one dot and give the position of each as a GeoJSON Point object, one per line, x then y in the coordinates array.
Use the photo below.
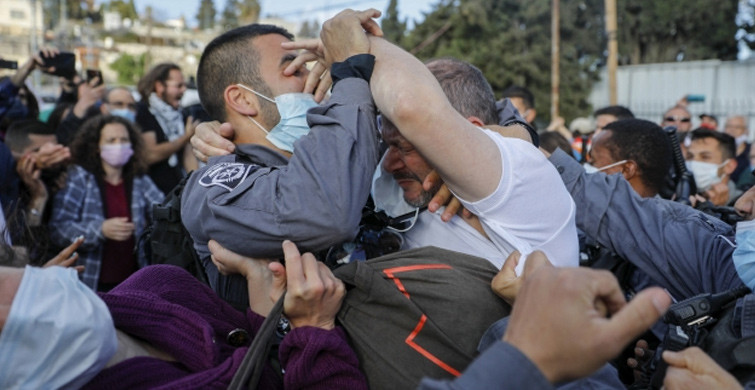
{"type": "Point", "coordinates": [387, 194]}
{"type": "Point", "coordinates": [706, 174]}
{"type": "Point", "coordinates": [589, 168]}
{"type": "Point", "coordinates": [59, 333]}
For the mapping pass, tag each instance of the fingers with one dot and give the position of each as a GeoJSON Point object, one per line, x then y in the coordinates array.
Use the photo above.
{"type": "Point", "coordinates": [212, 139]}
{"type": "Point", "coordinates": [313, 79]}
{"type": "Point", "coordinates": [326, 81]}
{"type": "Point", "coordinates": [453, 207]}
{"type": "Point", "coordinates": [535, 261]}
{"type": "Point", "coordinates": [368, 23]}
{"type": "Point", "coordinates": [637, 316]}
{"type": "Point", "coordinates": [505, 283]}
{"type": "Point", "coordinates": [294, 272]}
{"type": "Point", "coordinates": [67, 256]}
{"type": "Point", "coordinates": [299, 62]}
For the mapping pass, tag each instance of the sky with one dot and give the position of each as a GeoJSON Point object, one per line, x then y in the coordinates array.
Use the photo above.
{"type": "Point", "coordinates": [293, 10]}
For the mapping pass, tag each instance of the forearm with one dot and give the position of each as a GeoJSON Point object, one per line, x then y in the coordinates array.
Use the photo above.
{"type": "Point", "coordinates": [679, 248]}
{"type": "Point", "coordinates": [22, 73]}
{"type": "Point", "coordinates": [409, 95]}
{"type": "Point", "coordinates": [501, 366]}
{"type": "Point", "coordinates": [156, 152]}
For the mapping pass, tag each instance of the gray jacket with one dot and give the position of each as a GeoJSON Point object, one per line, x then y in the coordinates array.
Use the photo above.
{"type": "Point", "coordinates": [681, 249]}
{"type": "Point", "coordinates": [251, 204]}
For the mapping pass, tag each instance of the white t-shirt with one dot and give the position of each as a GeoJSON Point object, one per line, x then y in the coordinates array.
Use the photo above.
{"type": "Point", "coordinates": [529, 210]}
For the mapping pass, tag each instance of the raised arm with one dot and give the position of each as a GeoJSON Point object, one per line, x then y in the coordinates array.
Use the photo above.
{"type": "Point", "coordinates": [408, 94]}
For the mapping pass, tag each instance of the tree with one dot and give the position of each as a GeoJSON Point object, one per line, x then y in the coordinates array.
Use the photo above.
{"type": "Point", "coordinates": [308, 30]}
{"type": "Point", "coordinates": [663, 31]}
{"type": "Point", "coordinates": [127, 9]}
{"type": "Point", "coordinates": [509, 40]}
{"type": "Point", "coordinates": [230, 16]}
{"type": "Point", "coordinates": [129, 68]}
{"type": "Point", "coordinates": [206, 15]}
{"type": "Point", "coordinates": [393, 28]}
{"type": "Point", "coordinates": [250, 11]}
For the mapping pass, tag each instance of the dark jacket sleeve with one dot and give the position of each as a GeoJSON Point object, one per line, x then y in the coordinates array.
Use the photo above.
{"type": "Point", "coordinates": [68, 127]}
{"type": "Point", "coordinates": [501, 366]}
{"type": "Point", "coordinates": [680, 248]}
{"type": "Point", "coordinates": [315, 200]}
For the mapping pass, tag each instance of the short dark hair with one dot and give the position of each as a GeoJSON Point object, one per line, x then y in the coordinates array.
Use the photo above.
{"type": "Point", "coordinates": [158, 74]}
{"type": "Point", "coordinates": [17, 135]}
{"type": "Point", "coordinates": [620, 112]}
{"type": "Point", "coordinates": [466, 88]}
{"type": "Point", "coordinates": [229, 59]}
{"type": "Point", "coordinates": [726, 143]}
{"type": "Point", "coordinates": [646, 144]}
{"type": "Point", "coordinates": [551, 140]}
{"type": "Point", "coordinates": [520, 92]}
{"type": "Point", "coordinates": [85, 145]}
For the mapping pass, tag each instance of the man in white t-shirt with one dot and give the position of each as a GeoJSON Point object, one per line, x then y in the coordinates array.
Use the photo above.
{"type": "Point", "coordinates": [525, 208]}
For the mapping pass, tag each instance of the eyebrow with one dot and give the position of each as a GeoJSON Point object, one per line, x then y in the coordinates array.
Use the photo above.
{"type": "Point", "coordinates": [287, 58]}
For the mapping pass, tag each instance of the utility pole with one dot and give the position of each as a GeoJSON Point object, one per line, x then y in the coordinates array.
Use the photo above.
{"type": "Point", "coordinates": [555, 56]}
{"type": "Point", "coordinates": [613, 50]}
{"type": "Point", "coordinates": [148, 54]}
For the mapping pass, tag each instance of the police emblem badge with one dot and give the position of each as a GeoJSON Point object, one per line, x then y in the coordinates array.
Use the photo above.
{"type": "Point", "coordinates": [226, 175]}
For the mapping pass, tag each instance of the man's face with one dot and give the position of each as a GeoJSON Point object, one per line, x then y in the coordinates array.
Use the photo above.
{"type": "Point", "coordinates": [602, 120]}
{"type": "Point", "coordinates": [600, 155]}
{"type": "Point", "coordinates": [407, 166]}
{"type": "Point", "coordinates": [525, 112]}
{"type": "Point", "coordinates": [678, 117]}
{"type": "Point", "coordinates": [735, 126]}
{"type": "Point", "coordinates": [119, 99]}
{"type": "Point", "coordinates": [273, 60]}
{"type": "Point", "coordinates": [705, 150]}
{"type": "Point", "coordinates": [172, 90]}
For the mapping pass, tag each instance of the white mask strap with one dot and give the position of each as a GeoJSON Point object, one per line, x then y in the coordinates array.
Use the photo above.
{"type": "Point", "coordinates": [256, 93]}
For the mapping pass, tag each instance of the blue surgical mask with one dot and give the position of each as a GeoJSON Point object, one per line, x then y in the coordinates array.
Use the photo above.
{"type": "Point", "coordinates": [292, 108]}
{"type": "Point", "coordinates": [744, 254]}
{"type": "Point", "coordinates": [124, 113]}
{"type": "Point", "coordinates": [59, 333]}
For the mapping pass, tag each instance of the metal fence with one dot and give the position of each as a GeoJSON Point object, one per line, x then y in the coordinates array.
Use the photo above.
{"type": "Point", "coordinates": [649, 90]}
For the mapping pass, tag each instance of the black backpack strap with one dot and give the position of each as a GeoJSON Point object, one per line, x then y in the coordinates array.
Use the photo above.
{"type": "Point", "coordinates": [250, 370]}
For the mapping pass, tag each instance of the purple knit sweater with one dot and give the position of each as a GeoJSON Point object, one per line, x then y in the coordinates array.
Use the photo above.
{"type": "Point", "coordinates": [174, 312]}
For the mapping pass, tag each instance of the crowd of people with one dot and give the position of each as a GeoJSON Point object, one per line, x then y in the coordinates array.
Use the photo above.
{"type": "Point", "coordinates": [587, 231]}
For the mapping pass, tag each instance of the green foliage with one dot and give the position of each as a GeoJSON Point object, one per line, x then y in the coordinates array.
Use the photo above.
{"type": "Point", "coordinates": [230, 16]}
{"type": "Point", "coordinates": [510, 40]}
{"type": "Point", "coordinates": [206, 15]}
{"type": "Point", "coordinates": [664, 31]}
{"type": "Point", "coordinates": [250, 11]}
{"type": "Point", "coordinates": [309, 30]}
{"type": "Point", "coordinates": [393, 28]}
{"type": "Point", "coordinates": [127, 9]}
{"type": "Point", "coordinates": [129, 68]}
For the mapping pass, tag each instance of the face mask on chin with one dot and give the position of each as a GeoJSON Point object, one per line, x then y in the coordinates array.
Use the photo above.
{"type": "Point", "coordinates": [59, 333]}
{"type": "Point", "coordinates": [292, 108]}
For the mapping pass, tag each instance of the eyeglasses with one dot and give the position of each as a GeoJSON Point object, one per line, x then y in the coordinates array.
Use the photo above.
{"type": "Point", "coordinates": [676, 119]}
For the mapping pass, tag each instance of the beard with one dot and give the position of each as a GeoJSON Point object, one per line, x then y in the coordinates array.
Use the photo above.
{"type": "Point", "coordinates": [424, 196]}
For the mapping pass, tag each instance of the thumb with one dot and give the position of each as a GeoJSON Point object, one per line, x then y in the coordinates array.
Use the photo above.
{"type": "Point", "coordinates": [279, 276]}
{"type": "Point", "coordinates": [637, 316]}
{"type": "Point", "coordinates": [431, 180]}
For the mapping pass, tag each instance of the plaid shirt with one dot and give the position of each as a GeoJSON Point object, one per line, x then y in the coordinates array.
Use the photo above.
{"type": "Point", "coordinates": [78, 210]}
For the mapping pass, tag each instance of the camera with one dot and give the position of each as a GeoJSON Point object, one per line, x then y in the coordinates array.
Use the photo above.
{"type": "Point", "coordinates": [8, 64]}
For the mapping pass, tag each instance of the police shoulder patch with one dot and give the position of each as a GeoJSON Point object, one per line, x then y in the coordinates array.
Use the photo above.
{"type": "Point", "coordinates": [227, 175]}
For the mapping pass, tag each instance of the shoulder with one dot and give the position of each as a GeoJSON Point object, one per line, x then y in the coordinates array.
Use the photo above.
{"type": "Point", "coordinates": [77, 172]}
{"type": "Point", "coordinates": [144, 118]}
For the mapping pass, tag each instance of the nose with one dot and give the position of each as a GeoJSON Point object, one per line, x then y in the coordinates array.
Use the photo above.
{"type": "Point", "coordinates": [393, 161]}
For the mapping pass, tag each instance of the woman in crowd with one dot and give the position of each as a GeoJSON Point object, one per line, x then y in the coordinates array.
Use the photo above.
{"type": "Point", "coordinates": [107, 200]}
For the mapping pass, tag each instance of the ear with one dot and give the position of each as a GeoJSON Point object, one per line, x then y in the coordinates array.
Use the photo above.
{"type": "Point", "coordinates": [630, 169]}
{"type": "Point", "coordinates": [241, 101]}
{"type": "Point", "coordinates": [159, 88]}
{"type": "Point", "coordinates": [476, 121]}
{"type": "Point", "coordinates": [531, 113]}
{"type": "Point", "coordinates": [730, 166]}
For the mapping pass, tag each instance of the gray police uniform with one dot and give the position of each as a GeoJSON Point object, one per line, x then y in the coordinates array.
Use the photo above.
{"type": "Point", "coordinates": [679, 248]}
{"type": "Point", "coordinates": [251, 201]}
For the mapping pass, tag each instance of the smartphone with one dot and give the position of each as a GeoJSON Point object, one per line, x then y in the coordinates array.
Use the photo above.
{"type": "Point", "coordinates": [92, 73]}
{"type": "Point", "coordinates": [695, 98]}
{"type": "Point", "coordinates": [8, 64]}
{"type": "Point", "coordinates": [64, 63]}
